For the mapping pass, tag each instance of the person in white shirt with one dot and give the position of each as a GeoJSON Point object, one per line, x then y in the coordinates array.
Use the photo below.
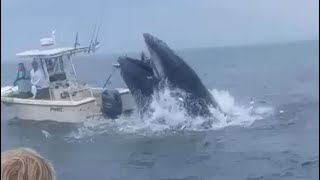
{"type": "Point", "coordinates": [39, 81]}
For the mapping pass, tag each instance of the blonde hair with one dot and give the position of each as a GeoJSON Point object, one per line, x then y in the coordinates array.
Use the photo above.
{"type": "Point", "coordinates": [25, 164]}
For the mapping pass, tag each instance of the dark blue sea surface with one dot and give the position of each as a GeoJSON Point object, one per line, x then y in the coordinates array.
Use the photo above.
{"type": "Point", "coordinates": [280, 141]}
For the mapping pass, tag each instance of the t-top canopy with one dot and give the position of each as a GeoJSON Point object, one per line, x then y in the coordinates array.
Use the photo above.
{"type": "Point", "coordinates": [50, 53]}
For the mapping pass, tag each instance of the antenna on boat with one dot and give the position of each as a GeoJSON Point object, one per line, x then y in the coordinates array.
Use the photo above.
{"type": "Point", "coordinates": [76, 43]}
{"type": "Point", "coordinates": [96, 42]}
{"type": "Point", "coordinates": [98, 31]}
{"type": "Point", "coordinates": [53, 37]}
{"type": "Point", "coordinates": [91, 41]}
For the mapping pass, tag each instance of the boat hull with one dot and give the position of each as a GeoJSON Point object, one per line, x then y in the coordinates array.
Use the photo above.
{"type": "Point", "coordinates": [63, 111]}
{"type": "Point", "coordinates": [59, 112]}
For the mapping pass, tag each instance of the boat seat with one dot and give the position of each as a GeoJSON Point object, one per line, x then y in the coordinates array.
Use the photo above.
{"type": "Point", "coordinates": [58, 77]}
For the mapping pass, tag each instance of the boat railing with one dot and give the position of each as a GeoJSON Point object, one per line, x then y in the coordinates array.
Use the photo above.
{"type": "Point", "coordinates": [76, 86]}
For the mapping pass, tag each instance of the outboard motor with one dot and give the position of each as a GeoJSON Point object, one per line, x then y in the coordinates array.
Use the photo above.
{"type": "Point", "coordinates": [111, 103]}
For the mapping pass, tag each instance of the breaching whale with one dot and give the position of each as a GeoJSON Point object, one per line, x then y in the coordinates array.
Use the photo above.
{"type": "Point", "coordinates": [165, 67]}
{"type": "Point", "coordinates": [140, 80]}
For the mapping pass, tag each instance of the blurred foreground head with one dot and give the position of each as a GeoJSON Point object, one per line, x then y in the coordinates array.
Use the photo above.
{"type": "Point", "coordinates": [25, 164]}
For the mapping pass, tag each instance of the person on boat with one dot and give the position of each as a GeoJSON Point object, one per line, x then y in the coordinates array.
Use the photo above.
{"type": "Point", "coordinates": [23, 82]}
{"type": "Point", "coordinates": [39, 81]}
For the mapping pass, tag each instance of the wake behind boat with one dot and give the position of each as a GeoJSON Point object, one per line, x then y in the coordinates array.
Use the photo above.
{"type": "Point", "coordinates": [70, 100]}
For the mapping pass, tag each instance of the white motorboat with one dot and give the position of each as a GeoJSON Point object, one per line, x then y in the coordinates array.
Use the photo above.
{"type": "Point", "coordinates": [70, 99]}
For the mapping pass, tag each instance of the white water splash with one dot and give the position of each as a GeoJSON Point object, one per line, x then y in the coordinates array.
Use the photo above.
{"type": "Point", "coordinates": [243, 115]}
{"type": "Point", "coordinates": [46, 133]}
{"type": "Point", "coordinates": [167, 113]}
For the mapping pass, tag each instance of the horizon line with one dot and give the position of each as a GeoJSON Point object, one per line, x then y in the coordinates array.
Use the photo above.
{"type": "Point", "coordinates": [198, 48]}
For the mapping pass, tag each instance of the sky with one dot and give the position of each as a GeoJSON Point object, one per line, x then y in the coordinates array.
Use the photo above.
{"type": "Point", "coordinates": [180, 23]}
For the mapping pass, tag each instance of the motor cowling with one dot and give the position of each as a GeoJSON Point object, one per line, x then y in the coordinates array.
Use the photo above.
{"type": "Point", "coordinates": [111, 103]}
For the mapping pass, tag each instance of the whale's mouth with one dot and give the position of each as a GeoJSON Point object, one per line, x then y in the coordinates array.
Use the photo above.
{"type": "Point", "coordinates": [156, 65]}
{"type": "Point", "coordinates": [155, 61]}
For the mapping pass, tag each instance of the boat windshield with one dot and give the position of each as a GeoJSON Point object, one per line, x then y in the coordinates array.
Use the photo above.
{"type": "Point", "coordinates": [55, 68]}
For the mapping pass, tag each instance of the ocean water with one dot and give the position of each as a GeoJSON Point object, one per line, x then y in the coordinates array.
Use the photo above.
{"type": "Point", "coordinates": [269, 92]}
